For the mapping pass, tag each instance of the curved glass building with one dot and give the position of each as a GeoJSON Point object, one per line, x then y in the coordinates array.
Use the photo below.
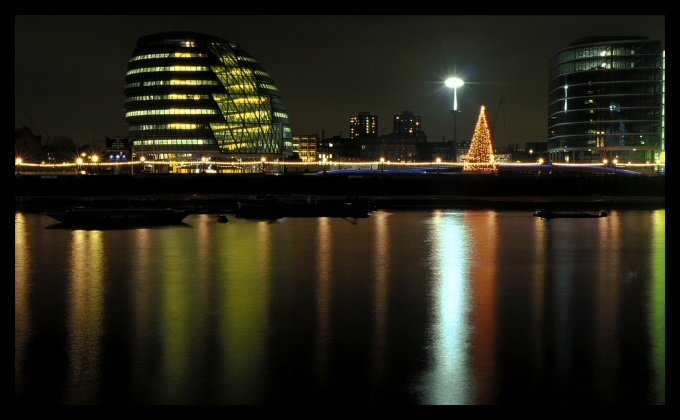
{"type": "Point", "coordinates": [191, 96]}
{"type": "Point", "coordinates": [606, 100]}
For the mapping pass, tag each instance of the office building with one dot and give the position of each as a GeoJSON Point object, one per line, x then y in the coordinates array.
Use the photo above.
{"type": "Point", "coordinates": [192, 96]}
{"type": "Point", "coordinates": [606, 101]}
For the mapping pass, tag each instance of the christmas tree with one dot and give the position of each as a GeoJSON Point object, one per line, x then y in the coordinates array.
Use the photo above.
{"type": "Point", "coordinates": [480, 156]}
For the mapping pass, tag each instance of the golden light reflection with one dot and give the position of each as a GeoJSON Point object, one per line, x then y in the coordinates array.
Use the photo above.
{"type": "Point", "coordinates": [482, 229]}
{"type": "Point", "coordinates": [178, 309]}
{"type": "Point", "coordinates": [23, 272]}
{"type": "Point", "coordinates": [382, 275]}
{"type": "Point", "coordinates": [87, 268]}
{"type": "Point", "coordinates": [658, 303]}
{"type": "Point", "coordinates": [144, 296]}
{"type": "Point", "coordinates": [323, 301]}
{"type": "Point", "coordinates": [608, 291]}
{"type": "Point", "coordinates": [244, 301]}
{"type": "Point", "coordinates": [540, 274]}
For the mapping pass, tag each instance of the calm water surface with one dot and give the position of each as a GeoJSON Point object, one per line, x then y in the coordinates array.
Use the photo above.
{"type": "Point", "coordinates": [404, 307]}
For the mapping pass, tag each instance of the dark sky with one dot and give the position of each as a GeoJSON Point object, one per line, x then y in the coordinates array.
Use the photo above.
{"type": "Point", "coordinates": [70, 70]}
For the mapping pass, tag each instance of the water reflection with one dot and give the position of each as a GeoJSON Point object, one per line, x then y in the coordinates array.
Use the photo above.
{"type": "Point", "coordinates": [87, 265]}
{"type": "Point", "coordinates": [23, 273]}
{"type": "Point", "coordinates": [448, 379]}
{"type": "Point", "coordinates": [426, 307]}
{"type": "Point", "coordinates": [324, 265]}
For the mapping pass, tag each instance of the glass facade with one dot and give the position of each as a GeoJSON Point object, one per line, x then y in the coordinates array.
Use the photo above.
{"type": "Point", "coordinates": [606, 100]}
{"type": "Point", "coordinates": [195, 96]}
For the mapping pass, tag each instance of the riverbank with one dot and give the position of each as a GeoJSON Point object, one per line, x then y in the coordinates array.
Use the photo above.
{"type": "Point", "coordinates": [226, 203]}
{"type": "Point", "coordinates": [219, 193]}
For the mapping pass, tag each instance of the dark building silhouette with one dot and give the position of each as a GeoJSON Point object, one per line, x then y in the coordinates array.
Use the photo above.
{"type": "Point", "coordinates": [363, 125]}
{"type": "Point", "coordinates": [406, 123]}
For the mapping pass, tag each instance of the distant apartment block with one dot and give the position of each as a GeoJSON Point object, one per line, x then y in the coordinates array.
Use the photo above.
{"type": "Point", "coordinates": [306, 147]}
{"type": "Point", "coordinates": [363, 125]}
{"type": "Point", "coordinates": [407, 123]}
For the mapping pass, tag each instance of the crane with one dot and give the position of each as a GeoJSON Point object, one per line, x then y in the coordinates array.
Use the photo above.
{"type": "Point", "coordinates": [498, 113]}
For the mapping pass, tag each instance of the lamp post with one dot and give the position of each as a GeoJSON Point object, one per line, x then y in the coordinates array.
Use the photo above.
{"type": "Point", "coordinates": [18, 162]}
{"type": "Point", "coordinates": [382, 164]}
{"type": "Point", "coordinates": [454, 83]}
{"type": "Point", "coordinates": [439, 160]}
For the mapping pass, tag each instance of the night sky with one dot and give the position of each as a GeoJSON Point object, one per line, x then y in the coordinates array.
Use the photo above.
{"type": "Point", "coordinates": [70, 70]}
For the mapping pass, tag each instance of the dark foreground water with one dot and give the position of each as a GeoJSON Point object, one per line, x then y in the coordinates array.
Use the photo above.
{"type": "Point", "coordinates": [402, 308]}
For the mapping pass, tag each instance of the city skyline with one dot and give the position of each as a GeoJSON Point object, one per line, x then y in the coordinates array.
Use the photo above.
{"type": "Point", "coordinates": [70, 70]}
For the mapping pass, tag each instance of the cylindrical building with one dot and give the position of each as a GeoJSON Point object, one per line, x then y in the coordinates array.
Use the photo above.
{"type": "Point", "coordinates": [191, 96]}
{"type": "Point", "coordinates": [606, 101]}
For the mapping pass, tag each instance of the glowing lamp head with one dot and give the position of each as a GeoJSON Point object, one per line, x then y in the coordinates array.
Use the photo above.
{"type": "Point", "coordinates": [453, 82]}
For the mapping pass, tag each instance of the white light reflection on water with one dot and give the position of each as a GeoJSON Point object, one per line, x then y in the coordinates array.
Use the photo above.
{"type": "Point", "coordinates": [440, 307]}
{"type": "Point", "coordinates": [448, 379]}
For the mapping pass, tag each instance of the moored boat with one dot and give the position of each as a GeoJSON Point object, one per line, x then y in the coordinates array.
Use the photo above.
{"type": "Point", "coordinates": [551, 214]}
{"type": "Point", "coordinates": [117, 217]}
{"type": "Point", "coordinates": [274, 208]}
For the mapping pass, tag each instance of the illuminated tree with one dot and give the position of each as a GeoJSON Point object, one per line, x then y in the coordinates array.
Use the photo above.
{"type": "Point", "coordinates": [480, 156]}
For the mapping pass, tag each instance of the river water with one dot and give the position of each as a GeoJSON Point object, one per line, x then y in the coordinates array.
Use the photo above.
{"type": "Point", "coordinates": [417, 307]}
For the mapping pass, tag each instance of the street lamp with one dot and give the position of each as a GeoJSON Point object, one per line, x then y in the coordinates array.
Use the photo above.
{"type": "Point", "coordinates": [382, 164]}
{"type": "Point", "coordinates": [263, 160]}
{"type": "Point", "coordinates": [439, 160]}
{"type": "Point", "coordinates": [454, 83]}
{"type": "Point", "coordinates": [95, 160]}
